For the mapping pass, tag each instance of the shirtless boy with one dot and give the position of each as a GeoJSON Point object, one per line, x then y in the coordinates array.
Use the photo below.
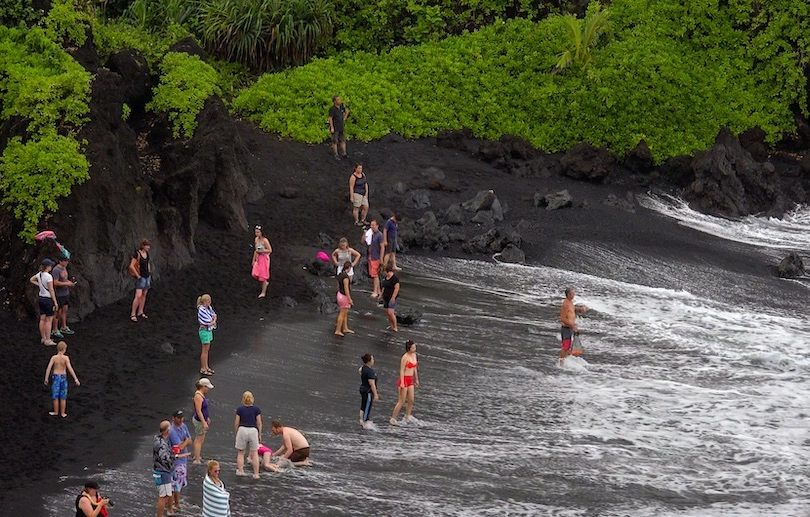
{"type": "Point", "coordinates": [60, 364]}
{"type": "Point", "coordinates": [294, 447]}
{"type": "Point", "coordinates": [568, 319]}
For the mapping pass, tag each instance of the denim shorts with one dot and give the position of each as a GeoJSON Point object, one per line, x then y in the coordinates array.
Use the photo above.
{"type": "Point", "coordinates": [144, 282]}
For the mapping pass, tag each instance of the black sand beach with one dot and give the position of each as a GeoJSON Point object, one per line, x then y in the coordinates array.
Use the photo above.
{"type": "Point", "coordinates": [134, 374]}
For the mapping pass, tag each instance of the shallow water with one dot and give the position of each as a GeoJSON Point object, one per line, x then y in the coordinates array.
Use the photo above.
{"type": "Point", "coordinates": [690, 399]}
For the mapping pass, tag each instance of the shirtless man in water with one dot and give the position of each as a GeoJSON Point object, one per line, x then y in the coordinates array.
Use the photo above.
{"type": "Point", "coordinates": [568, 319]}
{"type": "Point", "coordinates": [294, 447]}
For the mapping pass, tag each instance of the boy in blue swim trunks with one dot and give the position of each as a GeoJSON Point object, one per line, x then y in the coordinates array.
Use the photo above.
{"type": "Point", "coordinates": [60, 364]}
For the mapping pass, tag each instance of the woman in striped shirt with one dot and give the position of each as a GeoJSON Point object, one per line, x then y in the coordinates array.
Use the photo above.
{"type": "Point", "coordinates": [207, 319]}
{"type": "Point", "coordinates": [216, 500]}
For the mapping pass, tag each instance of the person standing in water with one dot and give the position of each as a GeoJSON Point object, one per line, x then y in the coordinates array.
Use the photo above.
{"type": "Point", "coordinates": [568, 319]}
{"type": "Point", "coordinates": [344, 301]}
{"type": "Point", "coordinates": [261, 259]}
{"type": "Point", "coordinates": [390, 291]}
{"type": "Point", "coordinates": [368, 389]}
{"type": "Point", "coordinates": [408, 381]}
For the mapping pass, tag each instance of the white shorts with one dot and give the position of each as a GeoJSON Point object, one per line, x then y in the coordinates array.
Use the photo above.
{"type": "Point", "coordinates": [165, 490]}
{"type": "Point", "coordinates": [247, 438]}
{"type": "Point", "coordinates": [340, 270]}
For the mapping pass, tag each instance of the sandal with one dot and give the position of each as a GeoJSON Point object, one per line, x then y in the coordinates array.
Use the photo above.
{"type": "Point", "coordinates": [207, 372]}
{"type": "Point", "coordinates": [133, 318]}
{"type": "Point", "coordinates": [144, 316]}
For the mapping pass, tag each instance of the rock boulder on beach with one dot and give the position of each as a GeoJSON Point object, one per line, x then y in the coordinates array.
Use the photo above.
{"type": "Point", "coordinates": [791, 266]}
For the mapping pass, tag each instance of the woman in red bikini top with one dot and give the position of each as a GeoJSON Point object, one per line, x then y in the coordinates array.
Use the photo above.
{"type": "Point", "coordinates": [408, 380]}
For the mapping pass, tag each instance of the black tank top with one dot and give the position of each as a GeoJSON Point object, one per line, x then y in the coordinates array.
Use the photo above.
{"type": "Point", "coordinates": [79, 513]}
{"type": "Point", "coordinates": [360, 184]}
{"type": "Point", "coordinates": [343, 274]}
{"type": "Point", "coordinates": [144, 263]}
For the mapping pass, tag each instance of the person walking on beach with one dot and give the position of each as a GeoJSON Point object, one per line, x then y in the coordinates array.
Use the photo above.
{"type": "Point", "coordinates": [338, 113]}
{"type": "Point", "coordinates": [344, 301]}
{"type": "Point", "coordinates": [216, 501]}
{"type": "Point", "coordinates": [180, 439]}
{"type": "Point", "coordinates": [390, 238]}
{"type": "Point", "coordinates": [201, 418]}
{"type": "Point", "coordinates": [60, 364]}
{"type": "Point", "coordinates": [207, 320]}
{"type": "Point", "coordinates": [261, 259]}
{"type": "Point", "coordinates": [358, 194]}
{"type": "Point", "coordinates": [47, 300]}
{"type": "Point", "coordinates": [294, 447]}
{"type": "Point", "coordinates": [568, 319]}
{"type": "Point", "coordinates": [342, 254]}
{"type": "Point", "coordinates": [140, 267]}
{"type": "Point", "coordinates": [390, 292]}
{"type": "Point", "coordinates": [368, 390]}
{"type": "Point", "coordinates": [89, 503]}
{"type": "Point", "coordinates": [247, 426]}
{"type": "Point", "coordinates": [376, 250]}
{"type": "Point", "coordinates": [61, 287]}
{"type": "Point", "coordinates": [162, 465]}
{"type": "Point", "coordinates": [407, 383]}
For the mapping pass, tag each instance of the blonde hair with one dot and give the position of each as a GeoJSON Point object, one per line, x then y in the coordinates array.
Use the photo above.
{"type": "Point", "coordinates": [343, 240]}
{"type": "Point", "coordinates": [202, 299]}
{"type": "Point", "coordinates": [61, 347]}
{"type": "Point", "coordinates": [211, 464]}
{"type": "Point", "coordinates": [247, 398]}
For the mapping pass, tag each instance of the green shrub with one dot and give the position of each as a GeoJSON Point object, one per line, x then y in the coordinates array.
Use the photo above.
{"type": "Point", "coordinates": [650, 81]}
{"type": "Point", "coordinates": [46, 91]}
{"type": "Point", "coordinates": [37, 173]}
{"type": "Point", "coordinates": [112, 36]}
{"type": "Point", "coordinates": [185, 83]}
{"type": "Point", "coordinates": [67, 21]}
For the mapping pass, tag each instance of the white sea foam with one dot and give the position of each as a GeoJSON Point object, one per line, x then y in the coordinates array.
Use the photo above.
{"type": "Point", "coordinates": [786, 233]}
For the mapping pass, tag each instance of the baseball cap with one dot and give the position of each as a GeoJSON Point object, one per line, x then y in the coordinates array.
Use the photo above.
{"type": "Point", "coordinates": [64, 259]}
{"type": "Point", "coordinates": [205, 382]}
{"type": "Point", "coordinates": [48, 262]}
{"type": "Point", "coordinates": [90, 484]}
{"type": "Point", "coordinates": [178, 413]}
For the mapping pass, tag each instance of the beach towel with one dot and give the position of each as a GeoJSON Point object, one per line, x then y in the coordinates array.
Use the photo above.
{"type": "Point", "coordinates": [261, 269]}
{"type": "Point", "coordinates": [216, 500]}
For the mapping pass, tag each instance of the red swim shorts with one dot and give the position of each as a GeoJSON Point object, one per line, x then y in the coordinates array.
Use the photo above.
{"type": "Point", "coordinates": [408, 382]}
{"type": "Point", "coordinates": [373, 268]}
{"type": "Point", "coordinates": [566, 345]}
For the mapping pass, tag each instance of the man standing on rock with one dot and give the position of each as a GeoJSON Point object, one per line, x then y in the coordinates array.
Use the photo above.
{"type": "Point", "coordinates": [376, 251]}
{"type": "Point", "coordinates": [162, 465]}
{"type": "Point", "coordinates": [61, 287]}
{"type": "Point", "coordinates": [390, 238]}
{"type": "Point", "coordinates": [568, 319]}
{"type": "Point", "coordinates": [338, 113]}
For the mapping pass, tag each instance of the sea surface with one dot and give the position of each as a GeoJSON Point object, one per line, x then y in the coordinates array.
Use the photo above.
{"type": "Point", "coordinates": [691, 398]}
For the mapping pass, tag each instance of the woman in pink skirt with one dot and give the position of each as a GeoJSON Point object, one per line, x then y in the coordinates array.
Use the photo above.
{"type": "Point", "coordinates": [344, 300]}
{"type": "Point", "coordinates": [261, 259]}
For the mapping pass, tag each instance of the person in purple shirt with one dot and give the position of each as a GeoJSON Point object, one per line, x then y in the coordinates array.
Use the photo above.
{"type": "Point", "coordinates": [248, 428]}
{"type": "Point", "coordinates": [201, 417]}
{"type": "Point", "coordinates": [180, 439]}
{"type": "Point", "coordinates": [390, 238]}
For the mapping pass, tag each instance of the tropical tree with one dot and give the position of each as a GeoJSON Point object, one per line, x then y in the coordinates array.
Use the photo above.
{"type": "Point", "coordinates": [582, 36]}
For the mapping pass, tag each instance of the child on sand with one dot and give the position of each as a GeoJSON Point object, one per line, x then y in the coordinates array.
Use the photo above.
{"type": "Point", "coordinates": [60, 363]}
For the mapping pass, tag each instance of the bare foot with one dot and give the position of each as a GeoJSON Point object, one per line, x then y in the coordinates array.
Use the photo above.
{"type": "Point", "coordinates": [349, 331]}
{"type": "Point", "coordinates": [261, 296]}
{"type": "Point", "coordinates": [64, 415]}
{"type": "Point", "coordinates": [52, 413]}
{"type": "Point", "coordinates": [339, 334]}
{"type": "Point", "coordinates": [393, 421]}
{"type": "Point", "coordinates": [255, 476]}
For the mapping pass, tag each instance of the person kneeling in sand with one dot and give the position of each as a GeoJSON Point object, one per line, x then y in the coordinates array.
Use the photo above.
{"type": "Point", "coordinates": [294, 447]}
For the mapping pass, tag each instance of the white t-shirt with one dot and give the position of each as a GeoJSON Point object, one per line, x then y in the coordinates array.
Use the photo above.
{"type": "Point", "coordinates": [44, 279]}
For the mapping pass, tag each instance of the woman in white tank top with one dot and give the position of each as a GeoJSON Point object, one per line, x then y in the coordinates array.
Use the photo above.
{"type": "Point", "coordinates": [46, 300]}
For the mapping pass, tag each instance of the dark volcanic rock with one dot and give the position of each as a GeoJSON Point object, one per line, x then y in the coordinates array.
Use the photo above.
{"type": "Point", "coordinates": [513, 254]}
{"type": "Point", "coordinates": [730, 183]}
{"type": "Point", "coordinates": [190, 46]}
{"type": "Point", "coordinates": [482, 201]}
{"type": "Point", "coordinates": [408, 316]}
{"type": "Point", "coordinates": [418, 199]}
{"type": "Point", "coordinates": [454, 214]}
{"type": "Point", "coordinates": [586, 162]}
{"type": "Point", "coordinates": [460, 140]}
{"type": "Point", "coordinates": [753, 141]}
{"type": "Point", "coordinates": [554, 201]}
{"type": "Point", "coordinates": [791, 266]}
{"type": "Point", "coordinates": [627, 203]}
{"type": "Point", "coordinates": [289, 192]}
{"type": "Point", "coordinates": [137, 80]}
{"type": "Point", "coordinates": [483, 217]}
{"type": "Point", "coordinates": [678, 171]}
{"type": "Point", "coordinates": [639, 160]}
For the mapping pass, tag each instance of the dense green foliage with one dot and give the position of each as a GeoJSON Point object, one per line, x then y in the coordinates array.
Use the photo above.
{"type": "Point", "coordinates": [583, 35]}
{"type": "Point", "coordinates": [44, 95]}
{"type": "Point", "coordinates": [185, 83]}
{"type": "Point", "coordinates": [671, 73]}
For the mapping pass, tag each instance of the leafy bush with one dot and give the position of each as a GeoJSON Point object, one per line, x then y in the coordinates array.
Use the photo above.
{"type": "Point", "coordinates": [673, 73]}
{"type": "Point", "coordinates": [44, 94]}
{"type": "Point", "coordinates": [112, 36]}
{"type": "Point", "coordinates": [67, 21]}
{"type": "Point", "coordinates": [37, 173]}
{"type": "Point", "coordinates": [185, 83]}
